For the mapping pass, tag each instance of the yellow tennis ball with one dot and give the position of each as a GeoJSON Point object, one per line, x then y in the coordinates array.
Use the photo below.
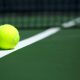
{"type": "Point", "coordinates": [9, 36]}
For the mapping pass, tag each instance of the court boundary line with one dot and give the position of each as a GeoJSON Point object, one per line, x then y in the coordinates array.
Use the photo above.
{"type": "Point", "coordinates": [30, 40]}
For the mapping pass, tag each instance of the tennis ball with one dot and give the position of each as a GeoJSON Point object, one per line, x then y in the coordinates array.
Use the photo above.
{"type": "Point", "coordinates": [9, 36]}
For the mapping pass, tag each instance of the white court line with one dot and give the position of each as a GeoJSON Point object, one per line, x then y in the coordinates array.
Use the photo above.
{"type": "Point", "coordinates": [30, 40]}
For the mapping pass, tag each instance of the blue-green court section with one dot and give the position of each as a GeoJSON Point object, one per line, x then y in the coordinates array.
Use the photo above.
{"type": "Point", "coordinates": [54, 58]}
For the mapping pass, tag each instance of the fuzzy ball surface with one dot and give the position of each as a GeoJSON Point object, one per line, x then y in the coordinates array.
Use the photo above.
{"type": "Point", "coordinates": [9, 36]}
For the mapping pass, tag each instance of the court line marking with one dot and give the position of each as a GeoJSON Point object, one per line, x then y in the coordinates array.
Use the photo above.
{"type": "Point", "coordinates": [30, 40]}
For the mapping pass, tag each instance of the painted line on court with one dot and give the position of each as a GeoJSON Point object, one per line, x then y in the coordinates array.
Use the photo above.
{"type": "Point", "coordinates": [30, 40]}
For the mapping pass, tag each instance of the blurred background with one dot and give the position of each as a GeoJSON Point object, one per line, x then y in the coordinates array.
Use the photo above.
{"type": "Point", "coordinates": [38, 13]}
{"type": "Point", "coordinates": [39, 5]}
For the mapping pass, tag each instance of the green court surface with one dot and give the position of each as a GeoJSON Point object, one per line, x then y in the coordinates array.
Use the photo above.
{"type": "Point", "coordinates": [54, 58]}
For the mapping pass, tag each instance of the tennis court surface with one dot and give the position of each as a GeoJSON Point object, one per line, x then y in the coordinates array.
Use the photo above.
{"type": "Point", "coordinates": [54, 58]}
{"type": "Point", "coordinates": [49, 48]}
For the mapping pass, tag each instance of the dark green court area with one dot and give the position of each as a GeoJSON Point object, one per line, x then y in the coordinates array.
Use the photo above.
{"type": "Point", "coordinates": [54, 58]}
